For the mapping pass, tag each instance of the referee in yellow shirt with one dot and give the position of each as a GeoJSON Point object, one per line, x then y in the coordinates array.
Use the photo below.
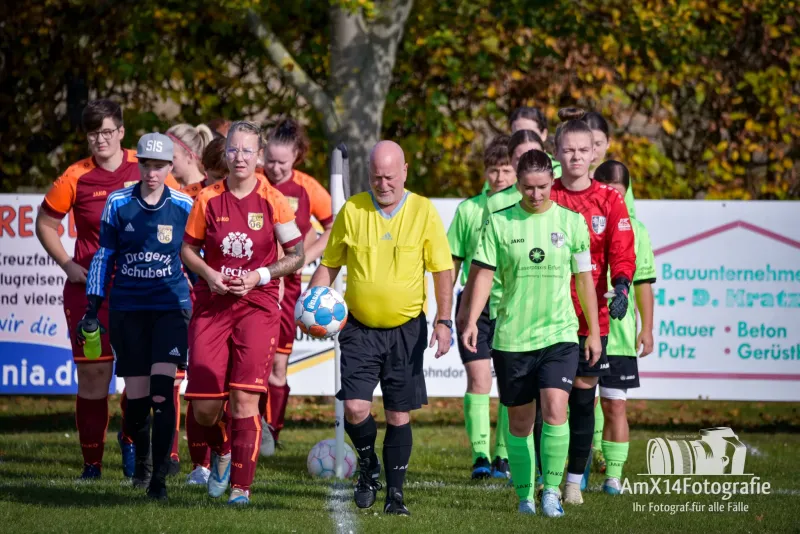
{"type": "Point", "coordinates": [387, 237]}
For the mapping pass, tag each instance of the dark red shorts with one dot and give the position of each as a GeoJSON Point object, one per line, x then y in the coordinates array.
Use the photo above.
{"type": "Point", "coordinates": [292, 285]}
{"type": "Point", "coordinates": [74, 307]}
{"type": "Point", "coordinates": [231, 346]}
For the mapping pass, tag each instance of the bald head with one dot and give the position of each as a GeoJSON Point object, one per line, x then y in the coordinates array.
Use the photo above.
{"type": "Point", "coordinates": [387, 152]}
{"type": "Point", "coordinates": [387, 174]}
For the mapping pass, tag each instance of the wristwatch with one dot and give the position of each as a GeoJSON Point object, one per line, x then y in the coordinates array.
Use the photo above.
{"type": "Point", "coordinates": [447, 322]}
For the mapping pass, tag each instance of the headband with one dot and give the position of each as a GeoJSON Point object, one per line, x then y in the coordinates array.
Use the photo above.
{"type": "Point", "coordinates": [184, 145]}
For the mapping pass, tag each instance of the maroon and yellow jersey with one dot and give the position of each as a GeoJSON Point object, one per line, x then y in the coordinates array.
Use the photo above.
{"type": "Point", "coordinates": [239, 235]}
{"type": "Point", "coordinates": [307, 197]}
{"type": "Point", "coordinates": [611, 241]}
{"type": "Point", "coordinates": [84, 188]}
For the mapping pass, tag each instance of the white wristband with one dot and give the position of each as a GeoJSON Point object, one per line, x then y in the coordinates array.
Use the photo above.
{"type": "Point", "coordinates": [265, 275]}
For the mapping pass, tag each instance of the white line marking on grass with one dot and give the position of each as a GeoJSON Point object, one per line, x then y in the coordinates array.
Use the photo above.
{"type": "Point", "coordinates": [339, 505]}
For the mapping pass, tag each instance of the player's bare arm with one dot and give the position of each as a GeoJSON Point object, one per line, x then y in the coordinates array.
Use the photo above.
{"type": "Point", "coordinates": [645, 304]}
{"type": "Point", "coordinates": [443, 286]}
{"type": "Point", "coordinates": [47, 232]}
{"type": "Point", "coordinates": [316, 247]}
{"type": "Point", "coordinates": [479, 295]}
{"type": "Point", "coordinates": [324, 276]}
{"type": "Point", "coordinates": [462, 318]}
{"type": "Point", "coordinates": [588, 298]}
{"type": "Point", "coordinates": [217, 282]}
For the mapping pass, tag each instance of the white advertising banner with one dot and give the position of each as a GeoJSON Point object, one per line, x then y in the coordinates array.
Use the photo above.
{"type": "Point", "coordinates": [727, 316]}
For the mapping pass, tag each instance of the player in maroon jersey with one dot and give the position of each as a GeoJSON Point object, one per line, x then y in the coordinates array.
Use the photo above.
{"type": "Point", "coordinates": [83, 188]}
{"type": "Point", "coordinates": [236, 316]}
{"type": "Point", "coordinates": [287, 145]}
{"type": "Point", "coordinates": [611, 247]}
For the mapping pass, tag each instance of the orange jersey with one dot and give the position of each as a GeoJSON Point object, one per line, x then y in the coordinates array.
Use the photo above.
{"type": "Point", "coordinates": [84, 188]}
{"type": "Point", "coordinates": [194, 189]}
{"type": "Point", "coordinates": [307, 198]}
{"type": "Point", "coordinates": [239, 235]}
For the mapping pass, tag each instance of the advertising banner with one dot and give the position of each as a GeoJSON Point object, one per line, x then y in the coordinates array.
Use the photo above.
{"type": "Point", "coordinates": [727, 315]}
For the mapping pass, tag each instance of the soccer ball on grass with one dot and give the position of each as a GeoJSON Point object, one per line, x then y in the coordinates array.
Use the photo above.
{"type": "Point", "coordinates": [322, 460]}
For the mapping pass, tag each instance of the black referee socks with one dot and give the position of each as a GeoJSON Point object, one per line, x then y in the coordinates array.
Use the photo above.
{"type": "Point", "coordinates": [163, 422]}
{"type": "Point", "coordinates": [396, 454]}
{"type": "Point", "coordinates": [363, 436]}
{"type": "Point", "coordinates": [137, 426]}
{"type": "Point", "coordinates": [581, 428]}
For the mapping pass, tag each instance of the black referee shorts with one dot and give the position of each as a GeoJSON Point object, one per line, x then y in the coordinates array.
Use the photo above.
{"type": "Point", "coordinates": [392, 357]}
{"type": "Point", "coordinates": [601, 368]}
{"type": "Point", "coordinates": [144, 337]}
{"type": "Point", "coordinates": [485, 336]}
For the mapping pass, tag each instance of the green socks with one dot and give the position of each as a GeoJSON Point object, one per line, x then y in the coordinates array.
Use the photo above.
{"type": "Point", "coordinates": [522, 460]}
{"type": "Point", "coordinates": [616, 454]}
{"type": "Point", "coordinates": [476, 419]}
{"type": "Point", "coordinates": [555, 447]}
{"type": "Point", "coordinates": [500, 448]}
{"type": "Point", "coordinates": [599, 420]}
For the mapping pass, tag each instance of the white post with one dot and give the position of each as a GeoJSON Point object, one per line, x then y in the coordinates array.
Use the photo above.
{"type": "Point", "coordinates": [339, 186]}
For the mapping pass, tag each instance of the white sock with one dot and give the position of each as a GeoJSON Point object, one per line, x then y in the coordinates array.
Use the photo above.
{"type": "Point", "coordinates": [573, 478]}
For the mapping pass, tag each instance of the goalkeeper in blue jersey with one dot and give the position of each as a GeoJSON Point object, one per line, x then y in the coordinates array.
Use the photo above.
{"type": "Point", "coordinates": [141, 233]}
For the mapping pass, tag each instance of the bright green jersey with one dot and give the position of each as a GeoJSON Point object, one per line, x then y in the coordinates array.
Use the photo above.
{"type": "Point", "coordinates": [629, 202]}
{"type": "Point", "coordinates": [499, 201]}
{"type": "Point", "coordinates": [465, 231]}
{"type": "Point", "coordinates": [532, 256]}
{"type": "Point", "coordinates": [622, 334]}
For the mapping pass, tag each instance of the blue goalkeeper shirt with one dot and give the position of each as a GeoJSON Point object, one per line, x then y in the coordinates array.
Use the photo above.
{"type": "Point", "coordinates": [140, 245]}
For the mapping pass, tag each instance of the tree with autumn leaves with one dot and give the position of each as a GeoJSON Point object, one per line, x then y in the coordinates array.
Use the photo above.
{"type": "Point", "coordinates": [703, 95]}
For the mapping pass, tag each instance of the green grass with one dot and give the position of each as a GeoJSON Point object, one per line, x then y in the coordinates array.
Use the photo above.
{"type": "Point", "coordinates": [40, 459]}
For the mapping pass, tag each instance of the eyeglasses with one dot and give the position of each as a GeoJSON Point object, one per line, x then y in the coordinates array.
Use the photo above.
{"type": "Point", "coordinates": [107, 134]}
{"type": "Point", "coordinates": [247, 154]}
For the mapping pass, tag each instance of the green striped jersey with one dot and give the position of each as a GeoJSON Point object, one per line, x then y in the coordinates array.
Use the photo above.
{"type": "Point", "coordinates": [534, 256]}
{"type": "Point", "coordinates": [622, 333]}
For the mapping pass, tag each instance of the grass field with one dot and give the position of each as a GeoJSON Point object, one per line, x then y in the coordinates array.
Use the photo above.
{"type": "Point", "coordinates": [40, 459]}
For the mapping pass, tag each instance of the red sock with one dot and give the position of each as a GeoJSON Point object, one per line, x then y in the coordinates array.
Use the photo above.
{"type": "Point", "coordinates": [246, 439]}
{"type": "Point", "coordinates": [176, 398]}
{"type": "Point", "coordinates": [199, 451]}
{"type": "Point", "coordinates": [91, 418]}
{"type": "Point", "coordinates": [279, 397]}
{"type": "Point", "coordinates": [218, 436]}
{"type": "Point", "coordinates": [123, 406]}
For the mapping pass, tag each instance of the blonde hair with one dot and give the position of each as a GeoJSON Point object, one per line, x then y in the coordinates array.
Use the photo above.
{"type": "Point", "coordinates": [194, 139]}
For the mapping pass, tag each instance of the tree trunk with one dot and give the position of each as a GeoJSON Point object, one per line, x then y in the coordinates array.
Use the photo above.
{"type": "Point", "coordinates": [362, 59]}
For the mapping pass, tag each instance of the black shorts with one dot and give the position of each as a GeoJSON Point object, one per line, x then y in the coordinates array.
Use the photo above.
{"type": "Point", "coordinates": [144, 337]}
{"type": "Point", "coordinates": [601, 368]}
{"type": "Point", "coordinates": [485, 336]}
{"type": "Point", "coordinates": [624, 373]}
{"type": "Point", "coordinates": [520, 375]}
{"type": "Point", "coordinates": [392, 357]}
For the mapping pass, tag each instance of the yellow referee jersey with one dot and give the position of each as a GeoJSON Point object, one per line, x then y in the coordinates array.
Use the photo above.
{"type": "Point", "coordinates": [387, 256]}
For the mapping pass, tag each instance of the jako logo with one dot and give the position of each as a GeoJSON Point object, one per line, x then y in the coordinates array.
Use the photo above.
{"type": "Point", "coordinates": [717, 452]}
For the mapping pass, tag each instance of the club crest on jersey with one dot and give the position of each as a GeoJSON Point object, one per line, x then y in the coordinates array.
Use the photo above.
{"type": "Point", "coordinates": [164, 233]}
{"type": "Point", "coordinates": [255, 221]}
{"type": "Point", "coordinates": [557, 239]}
{"type": "Point", "coordinates": [598, 224]}
{"type": "Point", "coordinates": [293, 202]}
{"type": "Point", "coordinates": [237, 245]}
{"type": "Point", "coordinates": [128, 184]}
